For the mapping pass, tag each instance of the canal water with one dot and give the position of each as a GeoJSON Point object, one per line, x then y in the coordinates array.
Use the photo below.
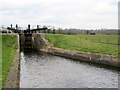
{"type": "Point", "coordinates": [41, 70]}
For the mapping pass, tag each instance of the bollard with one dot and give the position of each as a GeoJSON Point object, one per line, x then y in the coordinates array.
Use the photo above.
{"type": "Point", "coordinates": [28, 26]}
{"type": "Point", "coordinates": [16, 26]}
{"type": "Point", "coordinates": [37, 26]}
{"type": "Point", "coordinates": [11, 25]}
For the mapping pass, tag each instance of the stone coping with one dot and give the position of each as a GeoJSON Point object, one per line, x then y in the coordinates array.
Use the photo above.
{"type": "Point", "coordinates": [112, 60]}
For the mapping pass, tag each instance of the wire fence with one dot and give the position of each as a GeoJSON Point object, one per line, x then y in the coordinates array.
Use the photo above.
{"type": "Point", "coordinates": [102, 39]}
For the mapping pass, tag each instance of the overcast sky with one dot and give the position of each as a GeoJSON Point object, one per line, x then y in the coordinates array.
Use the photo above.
{"type": "Point", "coordinates": [90, 14]}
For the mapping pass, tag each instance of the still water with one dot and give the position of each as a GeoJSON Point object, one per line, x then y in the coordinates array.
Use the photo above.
{"type": "Point", "coordinates": [41, 70]}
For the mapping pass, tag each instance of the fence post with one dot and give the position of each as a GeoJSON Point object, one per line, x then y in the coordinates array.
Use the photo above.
{"type": "Point", "coordinates": [108, 41]}
{"type": "Point", "coordinates": [99, 39]}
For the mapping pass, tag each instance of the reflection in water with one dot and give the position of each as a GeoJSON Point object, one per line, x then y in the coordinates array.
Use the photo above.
{"type": "Point", "coordinates": [41, 70]}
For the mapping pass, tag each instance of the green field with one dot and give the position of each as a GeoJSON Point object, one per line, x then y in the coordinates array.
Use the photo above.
{"type": "Point", "coordinates": [9, 43]}
{"type": "Point", "coordinates": [100, 38]}
{"type": "Point", "coordinates": [80, 43]}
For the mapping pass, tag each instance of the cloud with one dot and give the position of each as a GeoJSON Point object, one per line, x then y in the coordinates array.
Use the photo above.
{"type": "Point", "coordinates": [61, 13]}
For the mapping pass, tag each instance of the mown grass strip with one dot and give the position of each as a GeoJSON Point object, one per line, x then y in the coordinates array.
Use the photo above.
{"type": "Point", "coordinates": [74, 42]}
{"type": "Point", "coordinates": [9, 43]}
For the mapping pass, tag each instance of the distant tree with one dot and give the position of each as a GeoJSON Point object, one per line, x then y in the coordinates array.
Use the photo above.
{"type": "Point", "coordinates": [48, 30]}
{"type": "Point", "coordinates": [53, 31]}
{"type": "Point", "coordinates": [87, 32]}
{"type": "Point", "coordinates": [59, 30]}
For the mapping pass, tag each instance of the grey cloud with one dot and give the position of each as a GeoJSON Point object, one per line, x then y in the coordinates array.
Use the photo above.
{"type": "Point", "coordinates": [63, 13]}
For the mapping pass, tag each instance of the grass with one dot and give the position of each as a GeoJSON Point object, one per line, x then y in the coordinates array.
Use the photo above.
{"type": "Point", "coordinates": [0, 62]}
{"type": "Point", "coordinates": [100, 38]}
{"type": "Point", "coordinates": [74, 42]}
{"type": "Point", "coordinates": [9, 43]}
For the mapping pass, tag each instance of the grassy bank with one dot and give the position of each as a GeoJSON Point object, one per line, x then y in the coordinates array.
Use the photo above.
{"type": "Point", "coordinates": [9, 43]}
{"type": "Point", "coordinates": [0, 62]}
{"type": "Point", "coordinates": [80, 43]}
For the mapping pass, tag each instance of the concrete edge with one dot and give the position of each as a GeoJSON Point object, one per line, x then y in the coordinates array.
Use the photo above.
{"type": "Point", "coordinates": [80, 55]}
{"type": "Point", "coordinates": [13, 78]}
